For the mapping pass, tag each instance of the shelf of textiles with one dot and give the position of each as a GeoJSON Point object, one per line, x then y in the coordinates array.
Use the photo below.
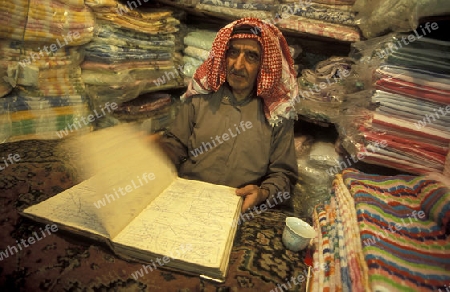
{"type": "Point", "coordinates": [305, 19]}
{"type": "Point", "coordinates": [66, 67]}
{"type": "Point", "coordinates": [402, 117]}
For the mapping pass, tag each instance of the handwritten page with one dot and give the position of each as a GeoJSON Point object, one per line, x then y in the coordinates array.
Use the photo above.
{"type": "Point", "coordinates": [125, 173]}
{"type": "Point", "coordinates": [192, 213]}
{"type": "Point", "coordinates": [67, 209]}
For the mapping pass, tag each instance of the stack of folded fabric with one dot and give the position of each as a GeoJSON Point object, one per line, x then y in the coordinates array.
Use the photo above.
{"type": "Point", "coordinates": [412, 115]}
{"type": "Point", "coordinates": [40, 70]}
{"type": "Point", "coordinates": [153, 111]}
{"type": "Point", "coordinates": [198, 43]}
{"type": "Point", "coordinates": [134, 52]}
{"type": "Point", "coordinates": [10, 55]}
{"type": "Point", "coordinates": [262, 9]}
{"type": "Point", "coordinates": [327, 18]}
{"type": "Point", "coordinates": [383, 233]}
{"type": "Point", "coordinates": [322, 90]}
{"type": "Point", "coordinates": [50, 21]}
{"type": "Point", "coordinates": [48, 97]}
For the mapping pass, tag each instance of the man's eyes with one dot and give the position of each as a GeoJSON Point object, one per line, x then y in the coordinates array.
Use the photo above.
{"type": "Point", "coordinates": [249, 56]}
{"type": "Point", "coordinates": [252, 56]}
{"type": "Point", "coordinates": [233, 52]}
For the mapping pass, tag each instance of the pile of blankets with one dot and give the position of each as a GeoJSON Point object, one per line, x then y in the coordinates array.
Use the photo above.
{"type": "Point", "coordinates": [198, 43]}
{"type": "Point", "coordinates": [154, 111]}
{"type": "Point", "coordinates": [383, 233]}
{"type": "Point", "coordinates": [411, 96]}
{"type": "Point", "coordinates": [47, 21]}
{"type": "Point", "coordinates": [375, 18]}
{"type": "Point", "coordinates": [40, 77]}
{"type": "Point", "coordinates": [136, 50]}
{"type": "Point", "coordinates": [327, 18]}
{"type": "Point", "coordinates": [261, 9]}
{"type": "Point", "coordinates": [323, 88]}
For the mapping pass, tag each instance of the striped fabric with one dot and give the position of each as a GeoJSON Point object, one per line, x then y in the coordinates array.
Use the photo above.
{"type": "Point", "coordinates": [47, 21]}
{"type": "Point", "coordinates": [402, 224]}
{"type": "Point", "coordinates": [338, 259]}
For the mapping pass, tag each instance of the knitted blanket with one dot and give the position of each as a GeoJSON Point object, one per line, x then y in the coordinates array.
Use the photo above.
{"type": "Point", "coordinates": [402, 224]}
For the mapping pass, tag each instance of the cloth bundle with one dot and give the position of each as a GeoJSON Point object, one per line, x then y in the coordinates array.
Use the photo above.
{"type": "Point", "coordinates": [198, 45]}
{"type": "Point", "coordinates": [134, 52]}
{"type": "Point", "coordinates": [236, 9]}
{"type": "Point", "coordinates": [46, 93]}
{"type": "Point", "coordinates": [48, 21]}
{"type": "Point", "coordinates": [322, 90]}
{"type": "Point", "coordinates": [331, 19]}
{"type": "Point", "coordinates": [409, 102]}
{"type": "Point", "coordinates": [383, 233]}
{"type": "Point", "coordinates": [153, 111]}
{"type": "Point", "coordinates": [317, 164]}
{"type": "Point", "coordinates": [375, 18]}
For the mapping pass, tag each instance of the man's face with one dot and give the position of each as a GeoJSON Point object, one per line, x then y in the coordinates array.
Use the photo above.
{"type": "Point", "coordinates": [243, 63]}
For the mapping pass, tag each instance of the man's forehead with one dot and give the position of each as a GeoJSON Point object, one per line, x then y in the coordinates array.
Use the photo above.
{"type": "Point", "coordinates": [248, 44]}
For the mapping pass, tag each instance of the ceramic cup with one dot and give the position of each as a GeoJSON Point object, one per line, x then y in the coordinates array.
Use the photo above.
{"type": "Point", "coordinates": [297, 234]}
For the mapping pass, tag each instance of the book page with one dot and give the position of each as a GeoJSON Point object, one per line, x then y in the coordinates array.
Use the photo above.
{"type": "Point", "coordinates": [124, 174]}
{"type": "Point", "coordinates": [67, 209]}
{"type": "Point", "coordinates": [188, 213]}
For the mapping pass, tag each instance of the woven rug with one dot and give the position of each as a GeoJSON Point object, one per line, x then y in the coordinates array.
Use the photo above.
{"type": "Point", "coordinates": [64, 262]}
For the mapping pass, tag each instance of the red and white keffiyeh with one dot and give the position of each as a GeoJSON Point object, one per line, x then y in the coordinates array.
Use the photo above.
{"type": "Point", "coordinates": [276, 82]}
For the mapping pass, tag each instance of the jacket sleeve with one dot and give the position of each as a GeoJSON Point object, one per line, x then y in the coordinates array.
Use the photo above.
{"type": "Point", "coordinates": [175, 139]}
{"type": "Point", "coordinates": [282, 173]}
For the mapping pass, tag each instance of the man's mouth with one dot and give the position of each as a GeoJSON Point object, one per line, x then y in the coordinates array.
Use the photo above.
{"type": "Point", "coordinates": [237, 74]}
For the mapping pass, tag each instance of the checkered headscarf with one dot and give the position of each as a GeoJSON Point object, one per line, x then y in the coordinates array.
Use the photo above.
{"type": "Point", "coordinates": [276, 81]}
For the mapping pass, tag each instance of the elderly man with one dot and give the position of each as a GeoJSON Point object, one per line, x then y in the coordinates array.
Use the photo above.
{"type": "Point", "coordinates": [235, 126]}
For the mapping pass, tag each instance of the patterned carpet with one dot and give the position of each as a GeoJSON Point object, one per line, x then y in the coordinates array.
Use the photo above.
{"type": "Point", "coordinates": [63, 262]}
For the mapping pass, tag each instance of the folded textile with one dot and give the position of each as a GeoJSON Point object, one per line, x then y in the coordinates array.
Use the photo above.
{"type": "Point", "coordinates": [134, 52]}
{"type": "Point", "coordinates": [320, 28]}
{"type": "Point", "coordinates": [404, 224]}
{"type": "Point", "coordinates": [400, 226]}
{"type": "Point", "coordinates": [197, 53]}
{"type": "Point", "coordinates": [24, 118]}
{"type": "Point", "coordinates": [235, 12]}
{"type": "Point", "coordinates": [231, 4]}
{"type": "Point", "coordinates": [201, 39]}
{"type": "Point", "coordinates": [338, 253]}
{"type": "Point", "coordinates": [318, 12]}
{"type": "Point", "coordinates": [144, 107]}
{"type": "Point", "coordinates": [46, 21]}
{"type": "Point", "coordinates": [417, 76]}
{"type": "Point", "coordinates": [414, 90]}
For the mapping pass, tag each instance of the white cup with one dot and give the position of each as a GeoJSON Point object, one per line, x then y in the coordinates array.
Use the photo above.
{"type": "Point", "coordinates": [297, 234]}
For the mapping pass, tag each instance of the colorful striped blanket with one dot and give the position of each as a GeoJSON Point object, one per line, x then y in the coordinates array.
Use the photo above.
{"type": "Point", "coordinates": [402, 224]}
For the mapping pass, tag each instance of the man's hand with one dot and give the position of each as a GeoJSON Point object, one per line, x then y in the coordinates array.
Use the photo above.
{"type": "Point", "coordinates": [253, 195]}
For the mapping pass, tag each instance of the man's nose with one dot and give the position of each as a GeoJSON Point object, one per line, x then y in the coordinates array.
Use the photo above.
{"type": "Point", "coordinates": [240, 61]}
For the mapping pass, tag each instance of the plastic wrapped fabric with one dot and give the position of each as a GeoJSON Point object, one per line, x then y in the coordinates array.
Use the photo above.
{"type": "Point", "coordinates": [319, 12]}
{"type": "Point", "coordinates": [125, 59]}
{"type": "Point", "coordinates": [319, 28]}
{"type": "Point", "coordinates": [379, 17]}
{"type": "Point", "coordinates": [235, 12]}
{"type": "Point", "coordinates": [323, 89]}
{"type": "Point", "coordinates": [25, 118]}
{"type": "Point", "coordinates": [316, 167]}
{"type": "Point", "coordinates": [47, 21]}
{"type": "Point", "coordinates": [200, 38]}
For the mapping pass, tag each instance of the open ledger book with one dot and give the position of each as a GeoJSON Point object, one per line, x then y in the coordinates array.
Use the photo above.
{"type": "Point", "coordinates": [134, 202]}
